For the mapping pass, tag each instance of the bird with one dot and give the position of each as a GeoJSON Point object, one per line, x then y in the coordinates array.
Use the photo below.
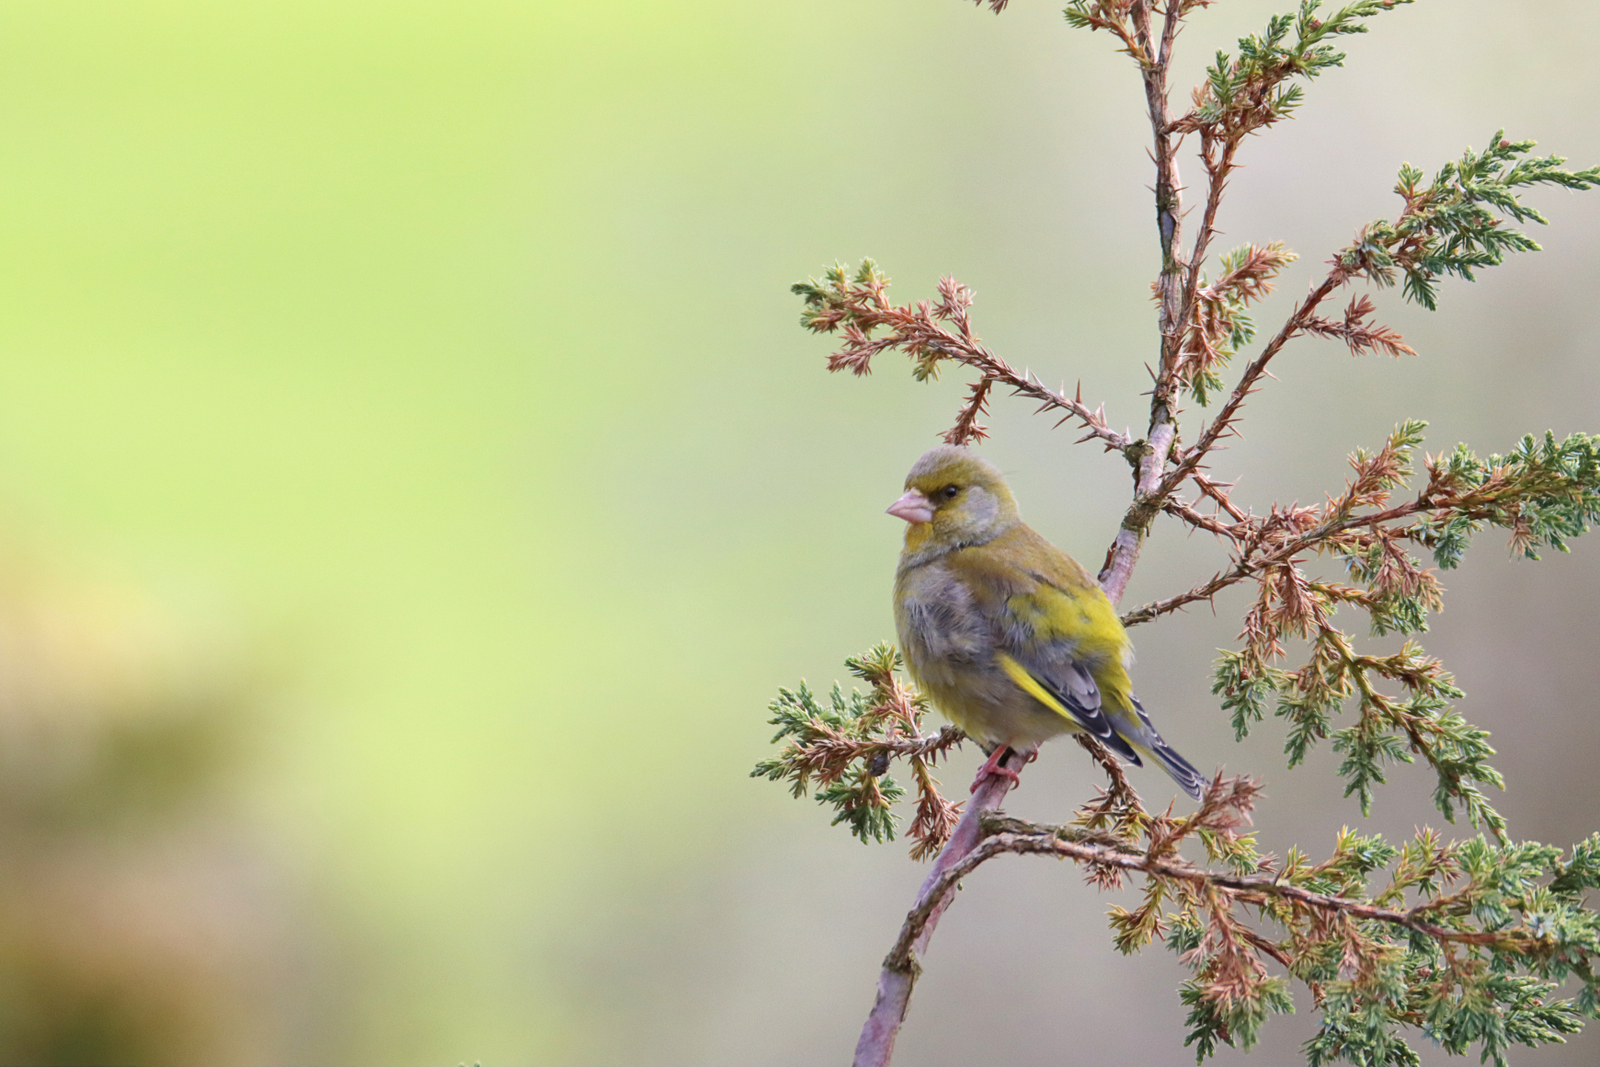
{"type": "Point", "coordinates": [1012, 640]}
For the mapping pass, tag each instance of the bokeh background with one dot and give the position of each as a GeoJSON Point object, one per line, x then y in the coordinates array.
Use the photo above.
{"type": "Point", "coordinates": [413, 486]}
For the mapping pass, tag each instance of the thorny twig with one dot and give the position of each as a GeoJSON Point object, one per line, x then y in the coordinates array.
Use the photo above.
{"type": "Point", "coordinates": [858, 306]}
{"type": "Point", "coordinates": [1148, 497]}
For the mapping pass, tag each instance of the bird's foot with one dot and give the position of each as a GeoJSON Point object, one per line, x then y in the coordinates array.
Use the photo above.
{"type": "Point", "coordinates": [994, 766]}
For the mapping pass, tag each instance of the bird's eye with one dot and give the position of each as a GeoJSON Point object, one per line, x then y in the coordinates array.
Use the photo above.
{"type": "Point", "coordinates": [950, 491]}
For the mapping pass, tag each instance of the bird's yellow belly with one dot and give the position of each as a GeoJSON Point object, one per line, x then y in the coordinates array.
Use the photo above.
{"type": "Point", "coordinates": [990, 708]}
{"type": "Point", "coordinates": [951, 651]}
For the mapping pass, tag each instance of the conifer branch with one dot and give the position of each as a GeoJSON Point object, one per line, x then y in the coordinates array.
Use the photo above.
{"type": "Point", "coordinates": [1473, 964]}
{"type": "Point", "coordinates": [1222, 425]}
{"type": "Point", "coordinates": [1216, 491]}
{"type": "Point", "coordinates": [1518, 911]}
{"type": "Point", "coordinates": [1133, 16]}
{"type": "Point", "coordinates": [1188, 514]}
{"type": "Point", "coordinates": [1543, 493]}
{"type": "Point", "coordinates": [845, 748]}
{"type": "Point", "coordinates": [899, 974]}
{"type": "Point", "coordinates": [857, 306]}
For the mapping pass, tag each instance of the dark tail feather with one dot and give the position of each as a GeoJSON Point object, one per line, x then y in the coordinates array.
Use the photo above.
{"type": "Point", "coordinates": [1183, 772]}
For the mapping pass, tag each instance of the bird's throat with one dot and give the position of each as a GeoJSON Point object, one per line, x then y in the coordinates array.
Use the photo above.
{"type": "Point", "coordinates": [918, 536]}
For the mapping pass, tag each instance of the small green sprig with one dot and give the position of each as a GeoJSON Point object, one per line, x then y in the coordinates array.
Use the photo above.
{"type": "Point", "coordinates": [1234, 1020]}
{"type": "Point", "coordinates": [1220, 325]}
{"type": "Point", "coordinates": [846, 744]}
{"type": "Point", "coordinates": [1256, 88]}
{"type": "Point", "coordinates": [1479, 964]}
{"type": "Point", "coordinates": [1097, 14]}
{"type": "Point", "coordinates": [1544, 492]}
{"type": "Point", "coordinates": [1452, 226]}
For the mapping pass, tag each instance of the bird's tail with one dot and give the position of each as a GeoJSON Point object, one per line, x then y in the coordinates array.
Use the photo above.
{"type": "Point", "coordinates": [1183, 772]}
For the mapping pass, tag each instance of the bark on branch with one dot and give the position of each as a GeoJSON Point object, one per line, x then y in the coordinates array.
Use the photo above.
{"type": "Point", "coordinates": [900, 967]}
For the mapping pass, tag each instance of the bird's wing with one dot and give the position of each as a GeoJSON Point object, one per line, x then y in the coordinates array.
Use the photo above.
{"type": "Point", "coordinates": [1068, 689]}
{"type": "Point", "coordinates": [1050, 624]}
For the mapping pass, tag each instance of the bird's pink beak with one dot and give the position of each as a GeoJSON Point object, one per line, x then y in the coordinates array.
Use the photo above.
{"type": "Point", "coordinates": [913, 507]}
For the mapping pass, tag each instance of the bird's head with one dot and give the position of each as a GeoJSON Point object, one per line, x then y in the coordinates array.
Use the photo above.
{"type": "Point", "coordinates": [953, 498]}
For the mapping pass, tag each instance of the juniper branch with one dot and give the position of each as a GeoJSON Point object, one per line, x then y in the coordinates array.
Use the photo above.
{"type": "Point", "coordinates": [1543, 492]}
{"type": "Point", "coordinates": [1005, 834]}
{"type": "Point", "coordinates": [1365, 982]}
{"type": "Point", "coordinates": [857, 306]}
{"type": "Point", "coordinates": [898, 976]}
{"type": "Point", "coordinates": [1123, 553]}
{"type": "Point", "coordinates": [1222, 424]}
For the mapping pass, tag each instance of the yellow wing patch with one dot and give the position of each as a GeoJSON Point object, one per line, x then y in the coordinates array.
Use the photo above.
{"type": "Point", "coordinates": [1086, 716]}
{"type": "Point", "coordinates": [1030, 685]}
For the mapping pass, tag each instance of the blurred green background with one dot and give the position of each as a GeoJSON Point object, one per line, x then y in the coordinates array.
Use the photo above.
{"type": "Point", "coordinates": [414, 486]}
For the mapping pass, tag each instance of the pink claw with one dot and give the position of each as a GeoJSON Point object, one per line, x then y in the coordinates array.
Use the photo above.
{"type": "Point", "coordinates": [993, 766]}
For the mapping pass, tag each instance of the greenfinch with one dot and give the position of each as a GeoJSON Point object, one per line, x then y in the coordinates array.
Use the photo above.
{"type": "Point", "coordinates": [1008, 636]}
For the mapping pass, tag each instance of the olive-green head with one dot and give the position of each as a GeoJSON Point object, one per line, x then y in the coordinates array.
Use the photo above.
{"type": "Point", "coordinates": [953, 498]}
